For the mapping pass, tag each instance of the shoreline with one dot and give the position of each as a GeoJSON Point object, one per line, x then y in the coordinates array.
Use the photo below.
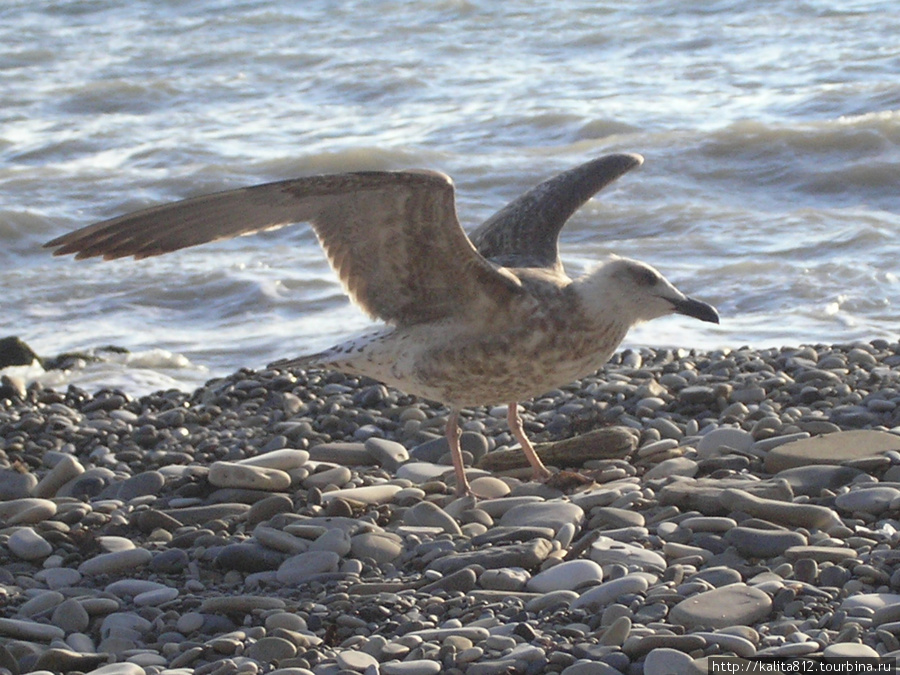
{"type": "Point", "coordinates": [276, 521]}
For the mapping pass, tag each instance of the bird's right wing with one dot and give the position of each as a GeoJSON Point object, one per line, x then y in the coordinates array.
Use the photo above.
{"type": "Point", "coordinates": [392, 237]}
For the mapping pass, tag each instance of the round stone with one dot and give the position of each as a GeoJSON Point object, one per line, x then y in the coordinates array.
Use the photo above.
{"type": "Point", "coordinates": [272, 649]}
{"type": "Point", "coordinates": [356, 660]}
{"type": "Point", "coordinates": [300, 568]}
{"type": "Point", "coordinates": [567, 575]}
{"type": "Point", "coordinates": [380, 547]}
{"type": "Point", "coordinates": [27, 544]}
{"type": "Point", "coordinates": [667, 661]}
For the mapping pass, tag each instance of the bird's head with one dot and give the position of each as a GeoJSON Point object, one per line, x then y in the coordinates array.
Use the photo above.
{"type": "Point", "coordinates": [636, 292]}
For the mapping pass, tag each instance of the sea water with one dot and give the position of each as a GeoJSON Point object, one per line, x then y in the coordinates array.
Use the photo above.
{"type": "Point", "coordinates": [771, 133]}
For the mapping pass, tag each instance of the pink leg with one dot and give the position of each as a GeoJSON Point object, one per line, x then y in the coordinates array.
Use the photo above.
{"type": "Point", "coordinates": [515, 426]}
{"type": "Point", "coordinates": [462, 483]}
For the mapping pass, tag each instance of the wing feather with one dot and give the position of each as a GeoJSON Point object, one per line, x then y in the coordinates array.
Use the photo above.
{"type": "Point", "coordinates": [392, 237]}
{"type": "Point", "coordinates": [525, 233]}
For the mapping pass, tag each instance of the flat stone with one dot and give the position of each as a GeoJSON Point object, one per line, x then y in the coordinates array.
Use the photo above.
{"type": "Point", "coordinates": [272, 649]}
{"type": "Point", "coordinates": [370, 494]}
{"type": "Point", "coordinates": [280, 540]}
{"type": "Point", "coordinates": [388, 454]}
{"type": "Point", "coordinates": [553, 514]}
{"type": "Point", "coordinates": [132, 587]}
{"type": "Point", "coordinates": [460, 581]}
{"type": "Point", "coordinates": [60, 660]}
{"type": "Point", "coordinates": [299, 568]}
{"type": "Point", "coordinates": [428, 514]}
{"type": "Point", "coordinates": [59, 577]}
{"type": "Point", "coordinates": [708, 496]}
{"type": "Point", "coordinates": [473, 633]}
{"type": "Point", "coordinates": [434, 450]}
{"type": "Point", "coordinates": [27, 544]}
{"type": "Point", "coordinates": [422, 472]}
{"type": "Point", "coordinates": [488, 487]}
{"type": "Point", "coordinates": [40, 603]}
{"type": "Point", "coordinates": [754, 543]}
{"type": "Point", "coordinates": [617, 632]}
{"type": "Point", "coordinates": [741, 646]}
{"type": "Point", "coordinates": [380, 547]}
{"type": "Point", "coordinates": [245, 476]}
{"type": "Point", "coordinates": [833, 554]}
{"type": "Point", "coordinates": [850, 650]}
{"type": "Point", "coordinates": [21, 629]}
{"type": "Point", "coordinates": [667, 661]}
{"type": "Point", "coordinates": [874, 500]}
{"type": "Point", "coordinates": [676, 466]}
{"type": "Point", "coordinates": [810, 516]}
{"type": "Point", "coordinates": [811, 480]}
{"type": "Point", "coordinates": [71, 616]}
{"type": "Point", "coordinates": [155, 597]}
{"type": "Point", "coordinates": [599, 596]}
{"type": "Point", "coordinates": [124, 668]}
{"type": "Point", "coordinates": [345, 454]}
{"type": "Point", "coordinates": [836, 448]}
{"type": "Point", "coordinates": [337, 476]}
{"type": "Point", "coordinates": [567, 575]}
{"type": "Point", "coordinates": [267, 507]}
{"type": "Point", "coordinates": [414, 667]}
{"type": "Point", "coordinates": [590, 668]}
{"type": "Point", "coordinates": [606, 550]}
{"type": "Point", "coordinates": [169, 561]}
{"type": "Point", "coordinates": [504, 579]}
{"type": "Point", "coordinates": [334, 539]}
{"type": "Point", "coordinates": [198, 515]}
{"type": "Point", "coordinates": [239, 604]}
{"type": "Point", "coordinates": [140, 485]}
{"type": "Point", "coordinates": [113, 544]}
{"type": "Point", "coordinates": [248, 558]}
{"type": "Point", "coordinates": [285, 459]}
{"type": "Point", "coordinates": [722, 441]}
{"type": "Point", "coordinates": [529, 554]}
{"type": "Point", "coordinates": [118, 561]}
{"type": "Point", "coordinates": [734, 605]}
{"type": "Point", "coordinates": [26, 511]}
{"type": "Point", "coordinates": [16, 485]}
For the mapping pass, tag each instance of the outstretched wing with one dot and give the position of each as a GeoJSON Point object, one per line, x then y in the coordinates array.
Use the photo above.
{"type": "Point", "coordinates": [525, 233]}
{"type": "Point", "coordinates": [392, 237]}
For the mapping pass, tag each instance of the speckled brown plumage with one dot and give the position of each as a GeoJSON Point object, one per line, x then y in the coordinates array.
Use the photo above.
{"type": "Point", "coordinates": [491, 319]}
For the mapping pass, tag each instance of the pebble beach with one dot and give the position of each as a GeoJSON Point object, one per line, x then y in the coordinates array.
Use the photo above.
{"type": "Point", "coordinates": [720, 503]}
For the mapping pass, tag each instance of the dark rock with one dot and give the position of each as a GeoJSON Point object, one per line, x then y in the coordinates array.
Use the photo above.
{"type": "Point", "coordinates": [14, 352]}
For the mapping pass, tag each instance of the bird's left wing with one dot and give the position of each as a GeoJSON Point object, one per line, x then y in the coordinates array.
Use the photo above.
{"type": "Point", "coordinates": [525, 232]}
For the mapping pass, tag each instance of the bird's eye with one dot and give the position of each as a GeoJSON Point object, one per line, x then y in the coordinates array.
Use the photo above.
{"type": "Point", "coordinates": [646, 277]}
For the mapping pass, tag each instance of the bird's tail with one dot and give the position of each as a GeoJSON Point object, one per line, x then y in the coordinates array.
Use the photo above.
{"type": "Point", "coordinates": [301, 362]}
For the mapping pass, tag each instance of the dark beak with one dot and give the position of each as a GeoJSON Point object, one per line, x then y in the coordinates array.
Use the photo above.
{"type": "Point", "coordinates": [697, 309]}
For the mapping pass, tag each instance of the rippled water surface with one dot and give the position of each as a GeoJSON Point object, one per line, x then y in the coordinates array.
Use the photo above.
{"type": "Point", "coordinates": [771, 133]}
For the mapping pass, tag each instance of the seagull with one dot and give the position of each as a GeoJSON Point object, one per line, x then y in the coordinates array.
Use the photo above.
{"type": "Point", "coordinates": [483, 319]}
